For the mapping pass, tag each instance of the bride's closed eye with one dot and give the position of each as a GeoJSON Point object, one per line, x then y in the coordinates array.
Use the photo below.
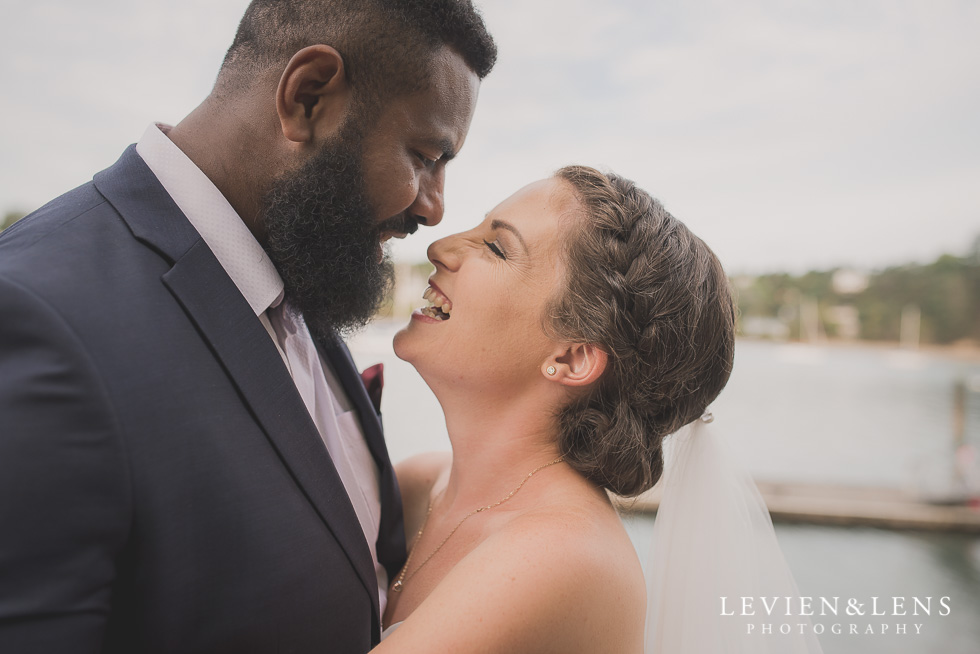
{"type": "Point", "coordinates": [493, 247]}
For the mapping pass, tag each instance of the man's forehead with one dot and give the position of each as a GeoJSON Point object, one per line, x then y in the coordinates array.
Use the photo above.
{"type": "Point", "coordinates": [441, 113]}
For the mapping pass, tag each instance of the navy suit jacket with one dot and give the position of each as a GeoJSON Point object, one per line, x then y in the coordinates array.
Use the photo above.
{"type": "Point", "coordinates": [162, 485]}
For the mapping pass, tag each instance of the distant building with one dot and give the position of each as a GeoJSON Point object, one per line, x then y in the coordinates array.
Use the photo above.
{"type": "Point", "coordinates": [764, 327]}
{"type": "Point", "coordinates": [848, 281]}
{"type": "Point", "coordinates": [743, 282]}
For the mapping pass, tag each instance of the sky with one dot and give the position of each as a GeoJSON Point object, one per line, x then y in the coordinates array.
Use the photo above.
{"type": "Point", "coordinates": [790, 135]}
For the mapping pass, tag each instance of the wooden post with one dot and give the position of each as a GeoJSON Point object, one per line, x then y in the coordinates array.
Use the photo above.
{"type": "Point", "coordinates": [910, 327]}
{"type": "Point", "coordinates": [959, 435]}
{"type": "Point", "coordinates": [959, 413]}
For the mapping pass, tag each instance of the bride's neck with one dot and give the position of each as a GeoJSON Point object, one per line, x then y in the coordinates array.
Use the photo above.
{"type": "Point", "coordinates": [496, 443]}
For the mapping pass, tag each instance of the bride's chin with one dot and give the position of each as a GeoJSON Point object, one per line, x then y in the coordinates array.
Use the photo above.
{"type": "Point", "coordinates": [426, 364]}
{"type": "Point", "coordinates": [408, 346]}
{"type": "Point", "coordinates": [400, 344]}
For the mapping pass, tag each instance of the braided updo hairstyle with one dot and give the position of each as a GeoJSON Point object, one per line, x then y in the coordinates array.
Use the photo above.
{"type": "Point", "coordinates": [655, 298]}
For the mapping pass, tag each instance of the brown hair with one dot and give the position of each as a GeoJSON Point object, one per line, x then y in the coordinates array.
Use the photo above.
{"type": "Point", "coordinates": [655, 298]}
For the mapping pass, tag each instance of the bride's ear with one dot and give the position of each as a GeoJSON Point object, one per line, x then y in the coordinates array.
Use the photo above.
{"type": "Point", "coordinates": [579, 364]}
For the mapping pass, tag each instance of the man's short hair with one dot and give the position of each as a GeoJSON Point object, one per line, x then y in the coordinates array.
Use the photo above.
{"type": "Point", "coordinates": [387, 45]}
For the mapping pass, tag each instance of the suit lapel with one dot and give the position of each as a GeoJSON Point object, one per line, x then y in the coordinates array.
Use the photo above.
{"type": "Point", "coordinates": [339, 357]}
{"type": "Point", "coordinates": [391, 536]}
{"type": "Point", "coordinates": [242, 345]}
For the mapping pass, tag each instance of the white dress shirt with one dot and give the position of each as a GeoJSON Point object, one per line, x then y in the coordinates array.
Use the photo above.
{"type": "Point", "coordinates": [249, 267]}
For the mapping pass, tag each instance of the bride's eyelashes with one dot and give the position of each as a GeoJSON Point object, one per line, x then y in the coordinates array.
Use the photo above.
{"type": "Point", "coordinates": [493, 247]}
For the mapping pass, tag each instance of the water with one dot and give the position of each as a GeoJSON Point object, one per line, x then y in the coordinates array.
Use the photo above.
{"type": "Point", "coordinates": [862, 563]}
{"type": "Point", "coordinates": [866, 416]}
{"type": "Point", "coordinates": [853, 415]}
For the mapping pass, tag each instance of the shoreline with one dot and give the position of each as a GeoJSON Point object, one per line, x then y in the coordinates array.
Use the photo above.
{"type": "Point", "coordinates": [842, 505]}
{"type": "Point", "coordinates": [968, 352]}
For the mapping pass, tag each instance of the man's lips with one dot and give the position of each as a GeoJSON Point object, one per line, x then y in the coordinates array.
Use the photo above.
{"type": "Point", "coordinates": [398, 227]}
{"type": "Point", "coordinates": [388, 235]}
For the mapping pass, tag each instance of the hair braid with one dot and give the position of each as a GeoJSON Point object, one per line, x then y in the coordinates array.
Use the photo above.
{"type": "Point", "coordinates": [655, 298]}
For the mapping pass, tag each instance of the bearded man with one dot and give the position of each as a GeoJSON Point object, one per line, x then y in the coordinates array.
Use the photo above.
{"type": "Point", "coordinates": [189, 461]}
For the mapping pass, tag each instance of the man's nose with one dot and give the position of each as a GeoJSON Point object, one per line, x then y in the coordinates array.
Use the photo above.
{"type": "Point", "coordinates": [429, 204]}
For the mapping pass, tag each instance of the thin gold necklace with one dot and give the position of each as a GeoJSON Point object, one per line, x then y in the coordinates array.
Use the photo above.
{"type": "Point", "coordinates": [402, 579]}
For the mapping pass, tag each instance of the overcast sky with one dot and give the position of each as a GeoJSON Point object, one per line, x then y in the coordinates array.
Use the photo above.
{"type": "Point", "coordinates": [789, 135]}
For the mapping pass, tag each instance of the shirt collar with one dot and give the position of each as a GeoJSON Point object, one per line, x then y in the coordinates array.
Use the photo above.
{"type": "Point", "coordinates": [234, 246]}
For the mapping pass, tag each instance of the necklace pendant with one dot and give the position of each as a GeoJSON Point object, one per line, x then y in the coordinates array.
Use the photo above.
{"type": "Point", "coordinates": [397, 586]}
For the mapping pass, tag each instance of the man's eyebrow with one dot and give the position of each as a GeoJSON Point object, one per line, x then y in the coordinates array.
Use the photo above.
{"type": "Point", "coordinates": [500, 224]}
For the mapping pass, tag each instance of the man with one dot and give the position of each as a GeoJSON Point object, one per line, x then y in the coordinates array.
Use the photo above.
{"type": "Point", "coordinates": [189, 461]}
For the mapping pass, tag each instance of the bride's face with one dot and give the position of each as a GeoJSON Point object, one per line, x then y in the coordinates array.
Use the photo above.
{"type": "Point", "coordinates": [495, 280]}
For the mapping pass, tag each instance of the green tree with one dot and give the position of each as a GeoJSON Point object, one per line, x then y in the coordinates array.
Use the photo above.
{"type": "Point", "coordinates": [946, 291]}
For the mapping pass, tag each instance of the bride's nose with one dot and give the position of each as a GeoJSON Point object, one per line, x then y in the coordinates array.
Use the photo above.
{"type": "Point", "coordinates": [444, 253]}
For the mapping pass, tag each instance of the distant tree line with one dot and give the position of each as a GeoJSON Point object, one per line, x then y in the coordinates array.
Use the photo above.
{"type": "Point", "coordinates": [944, 295]}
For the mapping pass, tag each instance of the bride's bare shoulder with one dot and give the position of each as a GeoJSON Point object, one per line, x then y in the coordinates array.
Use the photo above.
{"type": "Point", "coordinates": [578, 527]}
{"type": "Point", "coordinates": [561, 578]}
{"type": "Point", "coordinates": [582, 548]}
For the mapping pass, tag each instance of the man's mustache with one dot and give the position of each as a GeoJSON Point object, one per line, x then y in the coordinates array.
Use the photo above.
{"type": "Point", "coordinates": [399, 225]}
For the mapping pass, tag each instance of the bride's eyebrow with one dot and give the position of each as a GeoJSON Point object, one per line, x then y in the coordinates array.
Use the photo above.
{"type": "Point", "coordinates": [500, 224]}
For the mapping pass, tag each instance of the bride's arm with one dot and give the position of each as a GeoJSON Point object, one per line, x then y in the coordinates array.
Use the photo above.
{"type": "Point", "coordinates": [536, 588]}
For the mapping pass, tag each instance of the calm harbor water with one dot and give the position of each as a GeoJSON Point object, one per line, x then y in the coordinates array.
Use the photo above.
{"type": "Point", "coordinates": [853, 415]}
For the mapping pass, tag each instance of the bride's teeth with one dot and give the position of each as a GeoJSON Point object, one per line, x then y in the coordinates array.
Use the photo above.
{"type": "Point", "coordinates": [438, 306]}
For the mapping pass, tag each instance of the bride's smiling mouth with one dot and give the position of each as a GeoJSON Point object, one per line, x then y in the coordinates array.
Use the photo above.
{"type": "Point", "coordinates": [439, 306]}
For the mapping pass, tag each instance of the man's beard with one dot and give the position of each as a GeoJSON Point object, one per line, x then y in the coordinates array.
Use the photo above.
{"type": "Point", "coordinates": [323, 238]}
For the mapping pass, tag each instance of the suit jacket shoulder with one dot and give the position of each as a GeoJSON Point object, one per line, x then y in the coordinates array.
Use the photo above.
{"type": "Point", "coordinates": [141, 396]}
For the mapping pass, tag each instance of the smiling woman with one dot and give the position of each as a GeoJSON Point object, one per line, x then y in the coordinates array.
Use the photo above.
{"type": "Point", "coordinates": [495, 278]}
{"type": "Point", "coordinates": [565, 337]}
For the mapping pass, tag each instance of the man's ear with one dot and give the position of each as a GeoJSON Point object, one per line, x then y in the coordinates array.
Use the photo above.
{"type": "Point", "coordinates": [313, 93]}
{"type": "Point", "coordinates": [579, 364]}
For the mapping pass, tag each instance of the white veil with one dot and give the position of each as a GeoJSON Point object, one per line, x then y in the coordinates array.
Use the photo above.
{"type": "Point", "coordinates": [713, 538]}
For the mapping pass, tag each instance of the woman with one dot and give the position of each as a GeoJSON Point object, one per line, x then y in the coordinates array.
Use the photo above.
{"type": "Point", "coordinates": [565, 337]}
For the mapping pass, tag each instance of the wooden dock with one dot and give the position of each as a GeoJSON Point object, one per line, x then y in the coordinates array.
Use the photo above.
{"type": "Point", "coordinates": [847, 506]}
